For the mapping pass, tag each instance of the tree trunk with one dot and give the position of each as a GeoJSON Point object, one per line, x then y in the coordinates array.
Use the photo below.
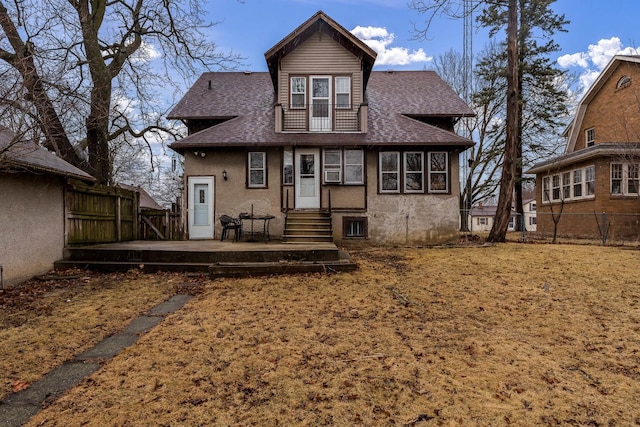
{"type": "Point", "coordinates": [500, 226]}
{"type": "Point", "coordinates": [22, 60]}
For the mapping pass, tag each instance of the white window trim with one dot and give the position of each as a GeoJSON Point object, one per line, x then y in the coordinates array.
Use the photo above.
{"type": "Point", "coordinates": [263, 168]}
{"type": "Point", "coordinates": [291, 103]}
{"type": "Point", "coordinates": [589, 137]}
{"type": "Point", "coordinates": [624, 178]}
{"type": "Point", "coordinates": [396, 171]}
{"type": "Point", "coordinates": [548, 186]}
{"type": "Point", "coordinates": [405, 172]}
{"type": "Point", "coordinates": [348, 92]}
{"type": "Point", "coordinates": [445, 172]}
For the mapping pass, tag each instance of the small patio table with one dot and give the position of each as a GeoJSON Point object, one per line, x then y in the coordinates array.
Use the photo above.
{"type": "Point", "coordinates": [265, 225]}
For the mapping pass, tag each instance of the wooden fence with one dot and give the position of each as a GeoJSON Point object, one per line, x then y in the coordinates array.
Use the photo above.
{"type": "Point", "coordinates": [102, 214]}
{"type": "Point", "coordinates": [156, 224]}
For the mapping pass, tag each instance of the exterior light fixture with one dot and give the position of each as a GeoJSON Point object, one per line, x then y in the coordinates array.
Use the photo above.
{"type": "Point", "coordinates": [224, 175]}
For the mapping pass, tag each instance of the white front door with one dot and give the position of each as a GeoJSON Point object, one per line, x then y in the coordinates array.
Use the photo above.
{"type": "Point", "coordinates": [307, 179]}
{"type": "Point", "coordinates": [320, 111]}
{"type": "Point", "coordinates": [200, 199]}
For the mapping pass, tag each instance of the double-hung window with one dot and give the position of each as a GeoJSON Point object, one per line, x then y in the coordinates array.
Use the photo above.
{"type": "Point", "coordinates": [546, 187]}
{"type": "Point", "coordinates": [390, 172]}
{"type": "Point", "coordinates": [298, 92]}
{"type": "Point", "coordinates": [590, 137]}
{"type": "Point", "coordinates": [566, 185]}
{"type": "Point", "coordinates": [577, 183]}
{"type": "Point", "coordinates": [414, 172]}
{"type": "Point", "coordinates": [332, 166]}
{"type": "Point", "coordinates": [625, 178]}
{"type": "Point", "coordinates": [439, 172]}
{"type": "Point", "coordinates": [590, 180]}
{"type": "Point", "coordinates": [353, 166]}
{"type": "Point", "coordinates": [343, 92]}
{"type": "Point", "coordinates": [555, 187]}
{"type": "Point", "coordinates": [616, 178]}
{"type": "Point", "coordinates": [257, 169]}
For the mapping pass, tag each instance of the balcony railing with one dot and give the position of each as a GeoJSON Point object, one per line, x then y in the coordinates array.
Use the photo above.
{"type": "Point", "coordinates": [321, 118]}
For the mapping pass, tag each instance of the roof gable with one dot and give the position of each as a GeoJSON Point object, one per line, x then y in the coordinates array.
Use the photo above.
{"type": "Point", "coordinates": [319, 22]}
{"type": "Point", "coordinates": [576, 124]}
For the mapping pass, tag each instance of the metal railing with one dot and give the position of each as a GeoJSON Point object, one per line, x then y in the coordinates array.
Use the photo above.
{"type": "Point", "coordinates": [321, 118]}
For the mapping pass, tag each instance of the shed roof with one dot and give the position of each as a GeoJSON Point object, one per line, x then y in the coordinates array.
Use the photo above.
{"type": "Point", "coordinates": [17, 153]}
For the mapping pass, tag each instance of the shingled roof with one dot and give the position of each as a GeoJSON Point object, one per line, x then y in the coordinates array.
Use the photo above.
{"type": "Point", "coordinates": [20, 154]}
{"type": "Point", "coordinates": [395, 99]}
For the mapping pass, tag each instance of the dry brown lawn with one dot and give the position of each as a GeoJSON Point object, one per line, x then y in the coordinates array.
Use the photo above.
{"type": "Point", "coordinates": [512, 334]}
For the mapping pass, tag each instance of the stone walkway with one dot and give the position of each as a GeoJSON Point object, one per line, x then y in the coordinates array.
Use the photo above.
{"type": "Point", "coordinates": [17, 408]}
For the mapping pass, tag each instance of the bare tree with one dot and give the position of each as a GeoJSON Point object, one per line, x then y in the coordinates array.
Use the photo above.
{"type": "Point", "coordinates": [82, 63]}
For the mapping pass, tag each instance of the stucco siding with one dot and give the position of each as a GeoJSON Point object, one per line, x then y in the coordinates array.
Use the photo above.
{"type": "Point", "coordinates": [231, 197]}
{"type": "Point", "coordinates": [32, 224]}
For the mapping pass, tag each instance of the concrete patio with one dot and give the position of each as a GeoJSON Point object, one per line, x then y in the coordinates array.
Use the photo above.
{"type": "Point", "coordinates": [218, 259]}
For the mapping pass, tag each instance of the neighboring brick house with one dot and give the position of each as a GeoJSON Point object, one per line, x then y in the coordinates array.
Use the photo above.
{"type": "Point", "coordinates": [322, 132]}
{"type": "Point", "coordinates": [600, 168]}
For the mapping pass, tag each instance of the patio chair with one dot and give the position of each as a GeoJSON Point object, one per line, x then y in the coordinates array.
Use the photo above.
{"type": "Point", "coordinates": [229, 223]}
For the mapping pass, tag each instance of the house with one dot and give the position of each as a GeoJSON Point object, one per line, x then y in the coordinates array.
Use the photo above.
{"type": "Point", "coordinates": [32, 217]}
{"type": "Point", "coordinates": [321, 132]}
{"type": "Point", "coordinates": [482, 216]}
{"type": "Point", "coordinates": [599, 171]}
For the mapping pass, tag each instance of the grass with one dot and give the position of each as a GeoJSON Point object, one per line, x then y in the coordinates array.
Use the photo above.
{"type": "Point", "coordinates": [511, 334]}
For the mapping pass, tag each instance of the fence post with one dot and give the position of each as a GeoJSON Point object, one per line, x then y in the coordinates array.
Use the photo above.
{"type": "Point", "coordinates": [605, 230]}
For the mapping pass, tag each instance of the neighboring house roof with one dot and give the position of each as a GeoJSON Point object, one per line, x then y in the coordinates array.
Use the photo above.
{"type": "Point", "coordinates": [598, 150]}
{"type": "Point", "coordinates": [574, 128]}
{"type": "Point", "coordinates": [20, 154]}
{"type": "Point", "coordinates": [146, 201]}
{"type": "Point", "coordinates": [319, 22]}
{"type": "Point", "coordinates": [395, 99]}
{"type": "Point", "coordinates": [486, 210]}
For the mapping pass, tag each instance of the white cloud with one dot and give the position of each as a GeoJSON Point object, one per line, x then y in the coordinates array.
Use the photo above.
{"type": "Point", "coordinates": [592, 62]}
{"type": "Point", "coordinates": [379, 39]}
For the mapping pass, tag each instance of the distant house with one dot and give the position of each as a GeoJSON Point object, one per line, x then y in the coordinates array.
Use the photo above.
{"type": "Point", "coordinates": [600, 168]}
{"type": "Point", "coordinates": [32, 218]}
{"type": "Point", "coordinates": [482, 217]}
{"type": "Point", "coordinates": [323, 134]}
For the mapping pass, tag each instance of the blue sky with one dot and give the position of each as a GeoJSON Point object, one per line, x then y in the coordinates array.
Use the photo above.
{"type": "Point", "coordinates": [598, 30]}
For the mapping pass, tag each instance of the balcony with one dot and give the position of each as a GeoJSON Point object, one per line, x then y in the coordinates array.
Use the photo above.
{"type": "Point", "coordinates": [321, 117]}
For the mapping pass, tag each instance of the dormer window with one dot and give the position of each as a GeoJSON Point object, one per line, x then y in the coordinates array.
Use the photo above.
{"type": "Point", "coordinates": [298, 92]}
{"type": "Point", "coordinates": [624, 81]}
{"type": "Point", "coordinates": [590, 137]}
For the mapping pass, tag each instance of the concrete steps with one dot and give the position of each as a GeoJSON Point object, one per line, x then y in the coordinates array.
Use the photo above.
{"type": "Point", "coordinates": [308, 227]}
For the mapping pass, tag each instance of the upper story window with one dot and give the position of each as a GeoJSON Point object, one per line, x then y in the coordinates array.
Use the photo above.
{"type": "Point", "coordinates": [624, 81]}
{"type": "Point", "coordinates": [590, 137]}
{"type": "Point", "coordinates": [298, 92]}
{"type": "Point", "coordinates": [343, 92]}
{"type": "Point", "coordinates": [532, 207]}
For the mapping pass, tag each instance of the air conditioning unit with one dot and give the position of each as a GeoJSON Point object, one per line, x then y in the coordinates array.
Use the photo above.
{"type": "Point", "coordinates": [332, 176]}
